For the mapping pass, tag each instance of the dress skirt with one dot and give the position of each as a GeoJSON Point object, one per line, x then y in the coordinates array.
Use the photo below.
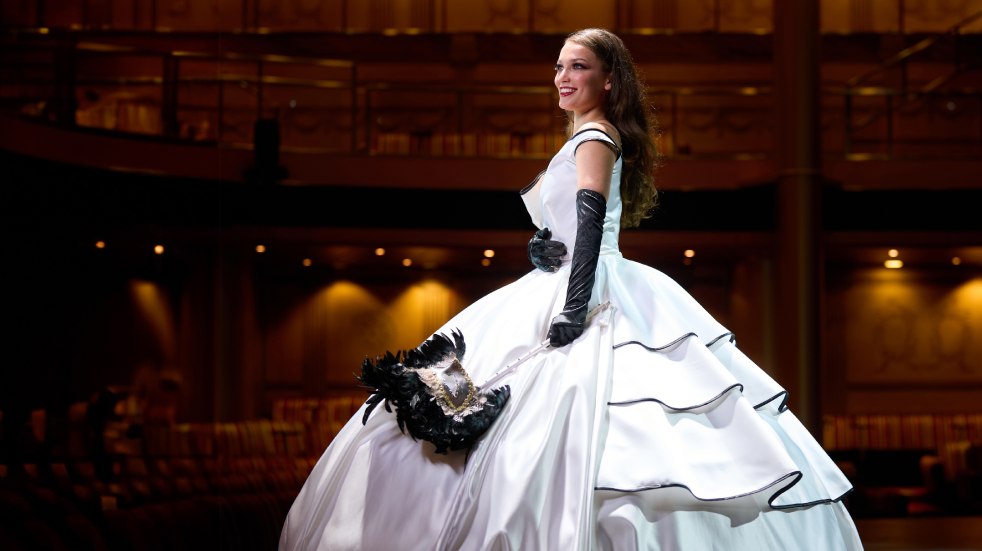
{"type": "Point", "coordinates": [651, 431]}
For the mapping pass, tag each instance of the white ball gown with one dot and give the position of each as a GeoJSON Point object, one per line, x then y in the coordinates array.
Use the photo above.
{"type": "Point", "coordinates": [651, 431]}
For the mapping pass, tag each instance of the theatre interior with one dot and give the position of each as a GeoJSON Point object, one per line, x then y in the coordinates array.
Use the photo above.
{"type": "Point", "coordinates": [214, 211]}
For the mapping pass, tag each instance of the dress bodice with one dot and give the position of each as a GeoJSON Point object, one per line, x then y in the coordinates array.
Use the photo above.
{"type": "Point", "coordinates": [551, 199]}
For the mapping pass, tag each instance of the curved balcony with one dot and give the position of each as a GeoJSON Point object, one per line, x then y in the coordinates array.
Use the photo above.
{"type": "Point", "coordinates": [340, 122]}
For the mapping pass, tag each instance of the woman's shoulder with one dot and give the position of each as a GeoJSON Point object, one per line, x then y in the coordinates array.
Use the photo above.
{"type": "Point", "coordinates": [601, 131]}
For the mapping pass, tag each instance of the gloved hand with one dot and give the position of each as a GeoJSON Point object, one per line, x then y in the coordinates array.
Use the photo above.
{"type": "Point", "coordinates": [590, 210]}
{"type": "Point", "coordinates": [546, 254]}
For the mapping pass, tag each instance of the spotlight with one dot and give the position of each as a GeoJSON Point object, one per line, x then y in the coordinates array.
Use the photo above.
{"type": "Point", "coordinates": [894, 263]}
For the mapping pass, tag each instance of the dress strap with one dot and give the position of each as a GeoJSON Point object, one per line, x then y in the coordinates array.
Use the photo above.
{"type": "Point", "coordinates": [595, 135]}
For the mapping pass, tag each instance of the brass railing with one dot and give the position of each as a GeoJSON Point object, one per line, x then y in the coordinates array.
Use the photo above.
{"type": "Point", "coordinates": [866, 106]}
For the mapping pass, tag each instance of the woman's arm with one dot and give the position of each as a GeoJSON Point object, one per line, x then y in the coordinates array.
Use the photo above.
{"type": "Point", "coordinates": [594, 166]}
{"type": "Point", "coordinates": [595, 160]}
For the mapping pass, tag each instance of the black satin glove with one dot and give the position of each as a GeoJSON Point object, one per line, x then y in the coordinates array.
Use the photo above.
{"type": "Point", "coordinates": [591, 207]}
{"type": "Point", "coordinates": [546, 254]}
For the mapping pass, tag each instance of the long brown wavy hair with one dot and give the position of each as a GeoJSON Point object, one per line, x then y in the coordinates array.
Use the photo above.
{"type": "Point", "coordinates": [626, 107]}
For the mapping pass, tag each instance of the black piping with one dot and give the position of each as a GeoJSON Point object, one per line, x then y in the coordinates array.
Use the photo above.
{"type": "Point", "coordinates": [535, 180]}
{"type": "Point", "coordinates": [724, 335]}
{"type": "Point", "coordinates": [656, 348]}
{"type": "Point", "coordinates": [782, 407]}
{"type": "Point", "coordinates": [687, 408]}
{"type": "Point", "coordinates": [797, 475]}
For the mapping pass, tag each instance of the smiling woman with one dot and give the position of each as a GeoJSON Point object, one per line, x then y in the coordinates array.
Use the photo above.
{"type": "Point", "coordinates": [641, 426]}
{"type": "Point", "coordinates": [582, 82]}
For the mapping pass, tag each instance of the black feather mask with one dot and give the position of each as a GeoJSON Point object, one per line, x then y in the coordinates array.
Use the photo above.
{"type": "Point", "coordinates": [434, 397]}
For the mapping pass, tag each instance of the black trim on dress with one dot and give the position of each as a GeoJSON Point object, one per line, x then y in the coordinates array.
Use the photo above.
{"type": "Point", "coordinates": [682, 409]}
{"type": "Point", "coordinates": [612, 144]}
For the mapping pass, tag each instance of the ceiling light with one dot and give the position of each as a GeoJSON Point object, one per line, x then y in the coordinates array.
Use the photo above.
{"type": "Point", "coordinates": [893, 253]}
{"type": "Point", "coordinates": [689, 253]}
{"type": "Point", "coordinates": [894, 263]}
{"type": "Point", "coordinates": [159, 249]}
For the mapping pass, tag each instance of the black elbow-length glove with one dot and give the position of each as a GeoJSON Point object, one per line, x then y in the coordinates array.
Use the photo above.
{"type": "Point", "coordinates": [545, 253]}
{"type": "Point", "coordinates": [590, 210]}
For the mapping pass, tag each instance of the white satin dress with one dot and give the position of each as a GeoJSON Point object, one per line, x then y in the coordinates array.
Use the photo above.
{"type": "Point", "coordinates": [651, 431]}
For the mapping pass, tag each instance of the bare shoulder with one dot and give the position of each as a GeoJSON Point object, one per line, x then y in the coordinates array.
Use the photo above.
{"type": "Point", "coordinates": [604, 127]}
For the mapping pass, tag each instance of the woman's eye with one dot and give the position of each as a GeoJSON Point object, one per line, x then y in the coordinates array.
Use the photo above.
{"type": "Point", "coordinates": [559, 67]}
{"type": "Point", "coordinates": [578, 66]}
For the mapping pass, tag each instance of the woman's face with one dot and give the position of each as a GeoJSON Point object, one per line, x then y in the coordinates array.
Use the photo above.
{"type": "Point", "coordinates": [580, 78]}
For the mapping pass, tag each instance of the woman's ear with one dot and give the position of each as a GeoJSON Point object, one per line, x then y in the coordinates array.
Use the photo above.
{"type": "Point", "coordinates": [607, 85]}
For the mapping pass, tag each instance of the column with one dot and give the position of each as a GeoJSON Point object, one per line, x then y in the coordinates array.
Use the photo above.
{"type": "Point", "coordinates": [799, 193]}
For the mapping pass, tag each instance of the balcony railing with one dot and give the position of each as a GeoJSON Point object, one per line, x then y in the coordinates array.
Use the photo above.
{"type": "Point", "coordinates": [324, 106]}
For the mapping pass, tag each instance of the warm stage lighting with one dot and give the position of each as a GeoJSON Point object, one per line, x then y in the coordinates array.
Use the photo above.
{"type": "Point", "coordinates": [956, 261]}
{"type": "Point", "coordinates": [407, 262]}
{"type": "Point", "coordinates": [894, 263]}
{"type": "Point", "coordinates": [379, 251]}
{"type": "Point", "coordinates": [260, 249]}
{"type": "Point", "coordinates": [485, 262]}
{"type": "Point", "coordinates": [308, 262]}
{"type": "Point", "coordinates": [689, 253]}
{"type": "Point", "coordinates": [158, 249]}
{"type": "Point", "coordinates": [100, 244]}
{"type": "Point", "coordinates": [893, 253]}
{"type": "Point", "coordinates": [489, 253]}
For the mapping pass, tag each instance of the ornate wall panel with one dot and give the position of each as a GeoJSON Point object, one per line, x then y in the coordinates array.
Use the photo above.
{"type": "Point", "coordinates": [905, 328]}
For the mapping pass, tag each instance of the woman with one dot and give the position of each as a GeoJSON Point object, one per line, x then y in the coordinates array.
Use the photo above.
{"type": "Point", "coordinates": [643, 428]}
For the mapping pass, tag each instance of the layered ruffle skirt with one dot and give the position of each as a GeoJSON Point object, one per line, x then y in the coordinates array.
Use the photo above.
{"type": "Point", "coordinates": [651, 431]}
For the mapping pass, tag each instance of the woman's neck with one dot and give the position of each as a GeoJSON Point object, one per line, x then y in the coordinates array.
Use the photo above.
{"type": "Point", "coordinates": [593, 115]}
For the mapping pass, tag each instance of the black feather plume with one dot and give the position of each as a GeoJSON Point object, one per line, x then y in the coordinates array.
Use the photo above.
{"type": "Point", "coordinates": [392, 379]}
